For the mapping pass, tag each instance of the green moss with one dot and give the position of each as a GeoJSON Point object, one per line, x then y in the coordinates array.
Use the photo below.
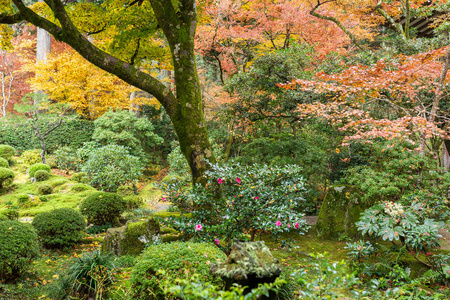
{"type": "Point", "coordinates": [80, 187]}
{"type": "Point", "coordinates": [341, 209]}
{"type": "Point", "coordinates": [167, 214]}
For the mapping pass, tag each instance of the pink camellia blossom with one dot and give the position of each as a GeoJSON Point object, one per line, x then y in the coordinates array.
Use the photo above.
{"type": "Point", "coordinates": [219, 181]}
{"type": "Point", "coordinates": [256, 198]}
{"type": "Point", "coordinates": [278, 223]}
{"type": "Point", "coordinates": [163, 199]}
{"type": "Point", "coordinates": [198, 227]}
{"type": "Point", "coordinates": [217, 241]}
{"type": "Point", "coordinates": [289, 225]}
{"type": "Point", "coordinates": [296, 225]}
{"type": "Point", "coordinates": [238, 180]}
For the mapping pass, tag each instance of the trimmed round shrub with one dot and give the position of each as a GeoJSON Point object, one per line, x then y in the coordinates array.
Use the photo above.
{"type": "Point", "coordinates": [59, 228]}
{"type": "Point", "coordinates": [31, 157]}
{"type": "Point", "coordinates": [11, 213]}
{"type": "Point", "coordinates": [18, 247]}
{"type": "Point", "coordinates": [34, 168]}
{"type": "Point", "coordinates": [80, 177]}
{"type": "Point", "coordinates": [22, 198]}
{"type": "Point", "coordinates": [4, 163]}
{"type": "Point", "coordinates": [45, 189]}
{"type": "Point", "coordinates": [177, 259]}
{"type": "Point", "coordinates": [133, 202]}
{"type": "Point", "coordinates": [80, 187]}
{"type": "Point", "coordinates": [111, 166]}
{"type": "Point", "coordinates": [41, 175]}
{"type": "Point", "coordinates": [6, 177]}
{"type": "Point", "coordinates": [101, 208]}
{"type": "Point", "coordinates": [126, 190]}
{"type": "Point", "coordinates": [6, 151]}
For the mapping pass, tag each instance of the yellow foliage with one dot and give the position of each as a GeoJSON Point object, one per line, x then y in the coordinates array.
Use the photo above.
{"type": "Point", "coordinates": [68, 78]}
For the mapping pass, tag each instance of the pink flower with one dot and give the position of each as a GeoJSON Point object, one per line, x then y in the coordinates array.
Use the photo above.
{"type": "Point", "coordinates": [278, 223]}
{"type": "Point", "coordinates": [289, 225]}
{"type": "Point", "coordinates": [296, 225]}
{"type": "Point", "coordinates": [198, 227]}
{"type": "Point", "coordinates": [219, 181]}
{"type": "Point", "coordinates": [238, 180]}
{"type": "Point", "coordinates": [164, 199]}
{"type": "Point", "coordinates": [256, 198]}
{"type": "Point", "coordinates": [217, 241]}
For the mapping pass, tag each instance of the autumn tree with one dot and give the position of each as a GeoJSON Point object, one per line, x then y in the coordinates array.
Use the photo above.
{"type": "Point", "coordinates": [68, 78]}
{"type": "Point", "coordinates": [176, 21]}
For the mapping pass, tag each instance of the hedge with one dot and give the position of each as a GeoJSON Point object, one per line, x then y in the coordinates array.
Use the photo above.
{"type": "Point", "coordinates": [72, 133]}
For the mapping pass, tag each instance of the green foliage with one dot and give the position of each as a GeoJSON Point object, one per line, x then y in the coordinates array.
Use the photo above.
{"type": "Point", "coordinates": [22, 199]}
{"type": "Point", "coordinates": [254, 199]}
{"type": "Point", "coordinates": [125, 129]}
{"type": "Point", "coordinates": [80, 187]}
{"type": "Point", "coordinates": [73, 133]}
{"type": "Point", "coordinates": [80, 177]}
{"type": "Point", "coordinates": [4, 163]}
{"type": "Point", "coordinates": [38, 166]}
{"type": "Point", "coordinates": [177, 259]}
{"type": "Point", "coordinates": [41, 175]}
{"type": "Point", "coordinates": [126, 190]}
{"type": "Point", "coordinates": [101, 208]}
{"type": "Point", "coordinates": [87, 276]}
{"type": "Point", "coordinates": [111, 166]}
{"type": "Point", "coordinates": [393, 221]}
{"type": "Point", "coordinates": [59, 228]}
{"type": "Point", "coordinates": [6, 177]}
{"type": "Point", "coordinates": [194, 289]}
{"type": "Point", "coordinates": [66, 158]}
{"type": "Point", "coordinates": [395, 169]}
{"type": "Point", "coordinates": [133, 202]}
{"type": "Point", "coordinates": [18, 247]}
{"type": "Point", "coordinates": [45, 189]}
{"type": "Point", "coordinates": [31, 157]}
{"type": "Point", "coordinates": [7, 151]}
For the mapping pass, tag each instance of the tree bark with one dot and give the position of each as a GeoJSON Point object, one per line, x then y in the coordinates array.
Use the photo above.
{"type": "Point", "coordinates": [185, 109]}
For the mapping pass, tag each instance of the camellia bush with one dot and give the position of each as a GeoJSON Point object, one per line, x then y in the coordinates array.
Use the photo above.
{"type": "Point", "coordinates": [111, 166]}
{"type": "Point", "coordinates": [239, 200]}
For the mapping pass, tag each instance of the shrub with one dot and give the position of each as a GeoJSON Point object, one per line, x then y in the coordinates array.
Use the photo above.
{"type": "Point", "coordinates": [133, 202]}
{"type": "Point", "coordinates": [80, 177]}
{"type": "Point", "coordinates": [6, 151]}
{"type": "Point", "coordinates": [254, 199]}
{"type": "Point", "coordinates": [88, 276]}
{"type": "Point", "coordinates": [38, 166]}
{"type": "Point", "coordinates": [45, 189]}
{"type": "Point", "coordinates": [31, 157]}
{"type": "Point", "coordinates": [18, 246]}
{"type": "Point", "coordinates": [3, 217]}
{"type": "Point", "coordinates": [111, 166]}
{"type": "Point", "coordinates": [60, 227]}
{"type": "Point", "coordinates": [178, 259]}
{"type": "Point", "coordinates": [101, 208]}
{"type": "Point", "coordinates": [41, 175]}
{"type": "Point", "coordinates": [126, 190]}
{"type": "Point", "coordinates": [4, 163]}
{"type": "Point", "coordinates": [12, 213]}
{"type": "Point", "coordinates": [80, 187]}
{"type": "Point", "coordinates": [23, 198]}
{"type": "Point", "coordinates": [6, 177]}
{"type": "Point", "coordinates": [66, 158]}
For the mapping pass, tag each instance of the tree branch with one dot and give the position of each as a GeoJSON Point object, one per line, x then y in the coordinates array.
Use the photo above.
{"type": "Point", "coordinates": [10, 19]}
{"type": "Point", "coordinates": [396, 26]}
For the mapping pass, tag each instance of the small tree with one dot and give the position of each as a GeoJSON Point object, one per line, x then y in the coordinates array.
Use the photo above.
{"type": "Point", "coordinates": [43, 116]}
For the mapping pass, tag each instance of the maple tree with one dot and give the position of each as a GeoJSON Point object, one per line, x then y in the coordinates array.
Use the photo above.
{"type": "Point", "coordinates": [175, 22]}
{"type": "Point", "coordinates": [68, 78]}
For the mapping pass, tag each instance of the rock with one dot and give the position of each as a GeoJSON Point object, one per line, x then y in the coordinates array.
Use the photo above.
{"type": "Point", "coordinates": [249, 264]}
{"type": "Point", "coordinates": [341, 209]}
{"type": "Point", "coordinates": [130, 238]}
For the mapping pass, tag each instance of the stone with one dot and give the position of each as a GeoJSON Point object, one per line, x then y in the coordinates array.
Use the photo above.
{"type": "Point", "coordinates": [248, 264]}
{"type": "Point", "coordinates": [130, 238]}
{"type": "Point", "coordinates": [341, 209]}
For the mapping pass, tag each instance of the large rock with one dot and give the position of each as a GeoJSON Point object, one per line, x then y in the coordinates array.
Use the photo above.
{"type": "Point", "coordinates": [249, 264]}
{"type": "Point", "coordinates": [341, 209]}
{"type": "Point", "coordinates": [130, 238]}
